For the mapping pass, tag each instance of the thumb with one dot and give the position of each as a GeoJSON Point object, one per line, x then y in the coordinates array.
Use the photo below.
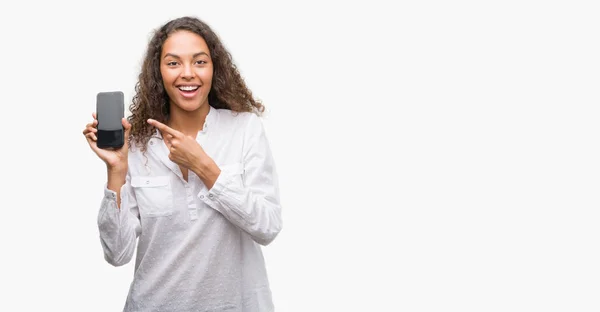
{"type": "Point", "coordinates": [127, 127]}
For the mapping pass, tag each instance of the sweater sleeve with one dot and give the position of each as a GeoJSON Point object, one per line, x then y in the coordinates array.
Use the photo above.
{"type": "Point", "coordinates": [247, 194]}
{"type": "Point", "coordinates": [119, 227]}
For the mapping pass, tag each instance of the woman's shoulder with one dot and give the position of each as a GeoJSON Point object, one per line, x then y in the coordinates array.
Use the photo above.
{"type": "Point", "coordinates": [238, 119]}
{"type": "Point", "coordinates": [227, 113]}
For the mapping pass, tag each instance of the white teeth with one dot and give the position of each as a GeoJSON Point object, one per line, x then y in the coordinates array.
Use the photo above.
{"type": "Point", "coordinates": [188, 88]}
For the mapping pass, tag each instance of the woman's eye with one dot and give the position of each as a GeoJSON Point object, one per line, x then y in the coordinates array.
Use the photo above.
{"type": "Point", "coordinates": [173, 63]}
{"type": "Point", "coordinates": [201, 62]}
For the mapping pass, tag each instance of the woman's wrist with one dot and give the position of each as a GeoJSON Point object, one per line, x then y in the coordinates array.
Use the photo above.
{"type": "Point", "coordinates": [116, 169]}
{"type": "Point", "coordinates": [116, 173]}
{"type": "Point", "coordinates": [207, 171]}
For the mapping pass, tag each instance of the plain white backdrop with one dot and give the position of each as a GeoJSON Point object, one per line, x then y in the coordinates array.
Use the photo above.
{"type": "Point", "coordinates": [433, 155]}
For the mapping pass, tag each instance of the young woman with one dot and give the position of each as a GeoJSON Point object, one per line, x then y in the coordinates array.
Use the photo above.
{"type": "Point", "coordinates": [194, 186]}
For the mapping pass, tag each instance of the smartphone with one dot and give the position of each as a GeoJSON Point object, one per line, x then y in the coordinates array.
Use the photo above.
{"type": "Point", "coordinates": [110, 109]}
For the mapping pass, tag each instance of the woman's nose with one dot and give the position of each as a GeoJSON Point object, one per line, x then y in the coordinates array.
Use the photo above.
{"type": "Point", "coordinates": [188, 72]}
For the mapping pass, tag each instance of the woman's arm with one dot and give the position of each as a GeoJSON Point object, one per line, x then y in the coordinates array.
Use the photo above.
{"type": "Point", "coordinates": [248, 194]}
{"type": "Point", "coordinates": [118, 220]}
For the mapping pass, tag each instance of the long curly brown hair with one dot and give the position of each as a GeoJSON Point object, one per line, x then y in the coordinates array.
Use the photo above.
{"type": "Point", "coordinates": [228, 90]}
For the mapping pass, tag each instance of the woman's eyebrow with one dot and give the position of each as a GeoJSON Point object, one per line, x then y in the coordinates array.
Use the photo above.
{"type": "Point", "coordinates": [177, 56]}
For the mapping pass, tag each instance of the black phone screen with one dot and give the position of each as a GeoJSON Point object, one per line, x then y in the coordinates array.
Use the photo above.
{"type": "Point", "coordinates": [109, 112]}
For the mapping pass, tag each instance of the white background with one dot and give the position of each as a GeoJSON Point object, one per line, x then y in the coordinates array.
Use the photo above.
{"type": "Point", "coordinates": [433, 155]}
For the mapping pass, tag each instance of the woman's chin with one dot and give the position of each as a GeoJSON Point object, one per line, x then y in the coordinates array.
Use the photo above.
{"type": "Point", "coordinates": [189, 106]}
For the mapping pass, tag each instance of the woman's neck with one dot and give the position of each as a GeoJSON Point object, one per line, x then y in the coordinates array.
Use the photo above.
{"type": "Point", "coordinates": [189, 123]}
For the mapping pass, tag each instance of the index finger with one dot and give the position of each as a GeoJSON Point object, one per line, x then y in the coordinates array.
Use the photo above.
{"type": "Point", "coordinates": [163, 128]}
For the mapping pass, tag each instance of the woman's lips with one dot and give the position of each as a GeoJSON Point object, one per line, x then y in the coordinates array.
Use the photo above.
{"type": "Point", "coordinates": [188, 94]}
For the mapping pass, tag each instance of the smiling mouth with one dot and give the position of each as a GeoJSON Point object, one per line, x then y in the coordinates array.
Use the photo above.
{"type": "Point", "coordinates": [188, 88]}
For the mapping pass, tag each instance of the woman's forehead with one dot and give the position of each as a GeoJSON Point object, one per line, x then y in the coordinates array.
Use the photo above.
{"type": "Point", "coordinates": [185, 44]}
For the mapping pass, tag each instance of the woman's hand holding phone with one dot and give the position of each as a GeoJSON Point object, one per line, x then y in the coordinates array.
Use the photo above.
{"type": "Point", "coordinates": [115, 159]}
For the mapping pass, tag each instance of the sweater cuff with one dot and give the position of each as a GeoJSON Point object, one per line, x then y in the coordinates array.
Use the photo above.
{"type": "Point", "coordinates": [228, 173]}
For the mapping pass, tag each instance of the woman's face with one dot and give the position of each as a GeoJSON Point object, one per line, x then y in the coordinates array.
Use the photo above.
{"type": "Point", "coordinates": [187, 70]}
